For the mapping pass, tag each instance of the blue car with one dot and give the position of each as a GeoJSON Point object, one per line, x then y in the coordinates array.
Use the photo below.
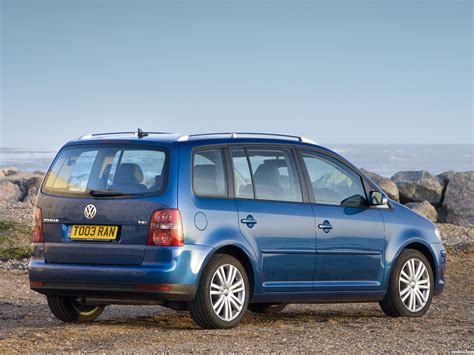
{"type": "Point", "coordinates": [222, 223]}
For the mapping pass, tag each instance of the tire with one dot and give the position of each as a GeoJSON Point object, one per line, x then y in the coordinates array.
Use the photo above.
{"type": "Point", "coordinates": [230, 305]}
{"type": "Point", "coordinates": [266, 308]}
{"type": "Point", "coordinates": [406, 296]}
{"type": "Point", "coordinates": [68, 310]}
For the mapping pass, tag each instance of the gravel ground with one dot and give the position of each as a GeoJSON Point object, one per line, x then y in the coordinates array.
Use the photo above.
{"type": "Point", "coordinates": [21, 212]}
{"type": "Point", "coordinates": [27, 326]}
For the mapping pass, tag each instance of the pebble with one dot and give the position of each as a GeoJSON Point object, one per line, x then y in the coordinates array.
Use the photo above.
{"type": "Point", "coordinates": [19, 265]}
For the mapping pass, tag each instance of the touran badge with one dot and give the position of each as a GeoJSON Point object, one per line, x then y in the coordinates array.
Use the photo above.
{"type": "Point", "coordinates": [90, 211]}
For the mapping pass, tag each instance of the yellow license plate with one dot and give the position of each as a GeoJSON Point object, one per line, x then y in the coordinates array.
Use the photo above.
{"type": "Point", "coordinates": [94, 232]}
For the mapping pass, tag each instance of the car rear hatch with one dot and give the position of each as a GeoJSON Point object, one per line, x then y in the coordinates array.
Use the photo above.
{"type": "Point", "coordinates": [97, 201]}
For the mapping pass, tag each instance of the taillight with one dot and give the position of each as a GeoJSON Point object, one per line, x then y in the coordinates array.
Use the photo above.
{"type": "Point", "coordinates": [166, 228]}
{"type": "Point", "coordinates": [37, 230]}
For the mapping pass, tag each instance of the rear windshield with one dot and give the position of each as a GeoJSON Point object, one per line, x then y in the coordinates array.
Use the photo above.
{"type": "Point", "coordinates": [107, 171]}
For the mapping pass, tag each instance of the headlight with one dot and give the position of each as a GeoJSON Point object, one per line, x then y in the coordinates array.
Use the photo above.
{"type": "Point", "coordinates": [438, 234]}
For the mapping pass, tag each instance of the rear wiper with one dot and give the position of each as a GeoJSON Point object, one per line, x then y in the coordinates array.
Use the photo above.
{"type": "Point", "coordinates": [99, 193]}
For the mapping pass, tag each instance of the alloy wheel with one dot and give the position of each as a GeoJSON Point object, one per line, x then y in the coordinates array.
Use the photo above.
{"type": "Point", "coordinates": [414, 285]}
{"type": "Point", "coordinates": [227, 292]}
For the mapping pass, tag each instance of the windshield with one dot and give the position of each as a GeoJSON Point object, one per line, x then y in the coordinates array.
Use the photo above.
{"type": "Point", "coordinates": [107, 170]}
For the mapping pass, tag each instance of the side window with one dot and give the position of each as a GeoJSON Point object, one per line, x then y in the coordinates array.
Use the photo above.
{"type": "Point", "coordinates": [332, 182]}
{"type": "Point", "coordinates": [209, 177]}
{"type": "Point", "coordinates": [274, 175]}
{"type": "Point", "coordinates": [242, 177]}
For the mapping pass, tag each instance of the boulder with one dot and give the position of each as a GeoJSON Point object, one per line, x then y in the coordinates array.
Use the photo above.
{"type": "Point", "coordinates": [10, 193]}
{"type": "Point", "coordinates": [424, 208]}
{"type": "Point", "coordinates": [459, 199]}
{"type": "Point", "coordinates": [441, 214]}
{"type": "Point", "coordinates": [445, 176]}
{"type": "Point", "coordinates": [27, 183]}
{"type": "Point", "coordinates": [417, 186]}
{"type": "Point", "coordinates": [336, 181]}
{"type": "Point", "coordinates": [32, 186]}
{"type": "Point", "coordinates": [9, 171]}
{"type": "Point", "coordinates": [387, 185]}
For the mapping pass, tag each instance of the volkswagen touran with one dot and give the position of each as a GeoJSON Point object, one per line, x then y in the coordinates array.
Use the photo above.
{"type": "Point", "coordinates": [220, 224]}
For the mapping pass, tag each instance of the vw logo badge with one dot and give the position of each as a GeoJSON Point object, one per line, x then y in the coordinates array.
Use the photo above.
{"type": "Point", "coordinates": [90, 211]}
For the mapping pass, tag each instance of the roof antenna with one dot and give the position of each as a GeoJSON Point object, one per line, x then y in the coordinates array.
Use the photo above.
{"type": "Point", "coordinates": [141, 134]}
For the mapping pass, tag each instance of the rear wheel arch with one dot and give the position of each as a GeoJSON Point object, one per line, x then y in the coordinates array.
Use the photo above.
{"type": "Point", "coordinates": [243, 258]}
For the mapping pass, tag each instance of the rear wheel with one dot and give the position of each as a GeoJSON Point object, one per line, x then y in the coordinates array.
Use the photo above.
{"type": "Point", "coordinates": [68, 309]}
{"type": "Point", "coordinates": [223, 294]}
{"type": "Point", "coordinates": [411, 286]}
{"type": "Point", "coordinates": [266, 308]}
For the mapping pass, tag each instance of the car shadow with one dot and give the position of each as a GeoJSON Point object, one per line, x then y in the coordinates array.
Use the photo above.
{"type": "Point", "coordinates": [37, 316]}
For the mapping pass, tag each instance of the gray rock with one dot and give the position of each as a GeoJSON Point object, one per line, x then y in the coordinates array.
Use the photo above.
{"type": "Point", "coordinates": [32, 186]}
{"type": "Point", "coordinates": [27, 183]}
{"type": "Point", "coordinates": [387, 185]}
{"type": "Point", "coordinates": [459, 199]}
{"type": "Point", "coordinates": [417, 186]}
{"type": "Point", "coordinates": [441, 214]}
{"type": "Point", "coordinates": [336, 181]}
{"type": "Point", "coordinates": [445, 176]}
{"type": "Point", "coordinates": [10, 193]}
{"type": "Point", "coordinates": [9, 171]}
{"type": "Point", "coordinates": [424, 208]}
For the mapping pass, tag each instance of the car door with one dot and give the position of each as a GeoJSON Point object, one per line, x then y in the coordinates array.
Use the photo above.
{"type": "Point", "coordinates": [274, 216]}
{"type": "Point", "coordinates": [350, 234]}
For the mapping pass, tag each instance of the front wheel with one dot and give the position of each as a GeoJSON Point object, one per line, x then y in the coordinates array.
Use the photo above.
{"type": "Point", "coordinates": [223, 294]}
{"type": "Point", "coordinates": [411, 286]}
{"type": "Point", "coordinates": [68, 309]}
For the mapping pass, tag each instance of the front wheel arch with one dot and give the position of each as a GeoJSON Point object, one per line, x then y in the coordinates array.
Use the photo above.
{"type": "Point", "coordinates": [423, 249]}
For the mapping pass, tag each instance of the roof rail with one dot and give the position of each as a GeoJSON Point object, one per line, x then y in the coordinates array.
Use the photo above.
{"type": "Point", "coordinates": [139, 133]}
{"type": "Point", "coordinates": [235, 134]}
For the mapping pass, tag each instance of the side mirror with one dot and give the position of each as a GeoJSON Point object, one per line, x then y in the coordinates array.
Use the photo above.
{"type": "Point", "coordinates": [377, 199]}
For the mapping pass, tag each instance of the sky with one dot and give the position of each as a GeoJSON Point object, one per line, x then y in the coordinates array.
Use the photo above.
{"type": "Point", "coordinates": [334, 71]}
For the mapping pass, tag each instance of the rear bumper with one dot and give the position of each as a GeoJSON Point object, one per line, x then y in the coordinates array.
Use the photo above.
{"type": "Point", "coordinates": [158, 292]}
{"type": "Point", "coordinates": [173, 278]}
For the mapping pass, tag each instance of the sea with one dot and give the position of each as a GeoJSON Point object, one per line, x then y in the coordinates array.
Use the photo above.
{"type": "Point", "coordinates": [383, 159]}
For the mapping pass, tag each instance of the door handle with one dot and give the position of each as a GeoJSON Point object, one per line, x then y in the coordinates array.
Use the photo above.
{"type": "Point", "coordinates": [249, 221]}
{"type": "Point", "coordinates": [325, 226]}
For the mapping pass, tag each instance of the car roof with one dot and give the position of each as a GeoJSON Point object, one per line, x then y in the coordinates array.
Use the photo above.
{"type": "Point", "coordinates": [200, 138]}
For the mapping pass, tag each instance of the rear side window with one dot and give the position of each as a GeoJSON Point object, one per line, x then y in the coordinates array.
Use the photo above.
{"type": "Point", "coordinates": [209, 178]}
{"type": "Point", "coordinates": [107, 170]}
{"type": "Point", "coordinates": [274, 175]}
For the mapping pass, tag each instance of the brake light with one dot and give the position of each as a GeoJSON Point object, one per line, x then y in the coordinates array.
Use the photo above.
{"type": "Point", "coordinates": [37, 235]}
{"type": "Point", "coordinates": [166, 228]}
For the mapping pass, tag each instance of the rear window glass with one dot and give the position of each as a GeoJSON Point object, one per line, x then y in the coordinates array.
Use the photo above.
{"type": "Point", "coordinates": [107, 171]}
